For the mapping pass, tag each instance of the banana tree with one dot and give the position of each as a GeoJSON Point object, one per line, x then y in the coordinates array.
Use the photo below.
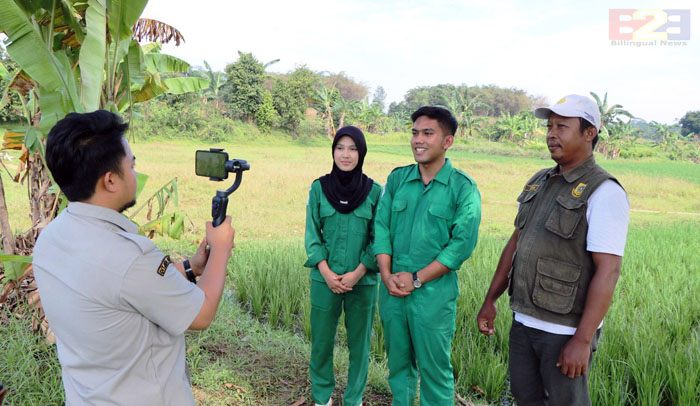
{"type": "Point", "coordinates": [609, 114]}
{"type": "Point", "coordinates": [511, 128]}
{"type": "Point", "coordinates": [322, 101]}
{"type": "Point", "coordinates": [366, 115]}
{"type": "Point", "coordinates": [463, 106]}
{"type": "Point", "coordinates": [78, 56]}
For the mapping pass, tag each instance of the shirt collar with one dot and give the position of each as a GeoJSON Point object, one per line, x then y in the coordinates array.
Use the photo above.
{"type": "Point", "coordinates": [572, 175]}
{"type": "Point", "coordinates": [443, 176]}
{"type": "Point", "coordinates": [102, 213]}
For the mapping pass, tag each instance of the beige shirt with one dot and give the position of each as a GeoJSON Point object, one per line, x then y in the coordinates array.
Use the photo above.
{"type": "Point", "coordinates": [119, 322]}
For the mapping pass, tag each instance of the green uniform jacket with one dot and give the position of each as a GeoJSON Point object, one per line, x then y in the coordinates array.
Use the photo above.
{"type": "Point", "coordinates": [417, 225]}
{"type": "Point", "coordinates": [344, 240]}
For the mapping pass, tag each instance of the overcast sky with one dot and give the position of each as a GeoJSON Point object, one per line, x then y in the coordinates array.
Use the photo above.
{"type": "Point", "coordinates": [548, 49]}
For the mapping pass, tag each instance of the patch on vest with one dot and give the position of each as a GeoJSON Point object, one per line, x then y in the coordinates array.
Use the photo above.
{"type": "Point", "coordinates": [164, 265]}
{"type": "Point", "coordinates": [531, 188]}
{"type": "Point", "coordinates": [578, 190]}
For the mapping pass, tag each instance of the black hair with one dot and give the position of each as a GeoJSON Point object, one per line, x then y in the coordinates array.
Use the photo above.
{"type": "Point", "coordinates": [585, 124]}
{"type": "Point", "coordinates": [447, 121]}
{"type": "Point", "coordinates": [81, 148]}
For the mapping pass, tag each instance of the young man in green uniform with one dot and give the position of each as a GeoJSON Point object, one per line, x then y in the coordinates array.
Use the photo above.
{"type": "Point", "coordinates": [426, 226]}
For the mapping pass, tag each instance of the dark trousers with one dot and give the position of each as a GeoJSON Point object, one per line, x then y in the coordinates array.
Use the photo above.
{"type": "Point", "coordinates": [535, 379]}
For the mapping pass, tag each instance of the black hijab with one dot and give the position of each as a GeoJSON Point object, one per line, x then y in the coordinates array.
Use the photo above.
{"type": "Point", "coordinates": [345, 191]}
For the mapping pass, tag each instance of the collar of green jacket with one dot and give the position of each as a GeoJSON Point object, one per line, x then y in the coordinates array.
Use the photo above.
{"type": "Point", "coordinates": [443, 176]}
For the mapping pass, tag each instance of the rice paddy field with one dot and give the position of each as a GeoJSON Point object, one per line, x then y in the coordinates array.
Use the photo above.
{"type": "Point", "coordinates": [649, 351]}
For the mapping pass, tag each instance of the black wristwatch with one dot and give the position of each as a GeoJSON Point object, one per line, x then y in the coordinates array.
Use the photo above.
{"type": "Point", "coordinates": [189, 273]}
{"type": "Point", "coordinates": [417, 283]}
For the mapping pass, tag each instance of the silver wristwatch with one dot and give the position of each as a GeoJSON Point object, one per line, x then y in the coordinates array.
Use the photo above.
{"type": "Point", "coordinates": [417, 283]}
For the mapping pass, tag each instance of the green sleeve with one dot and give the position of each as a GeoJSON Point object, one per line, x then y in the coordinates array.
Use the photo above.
{"type": "Point", "coordinates": [465, 228]}
{"type": "Point", "coordinates": [315, 248]}
{"type": "Point", "coordinates": [367, 257]}
{"type": "Point", "coordinates": [382, 220]}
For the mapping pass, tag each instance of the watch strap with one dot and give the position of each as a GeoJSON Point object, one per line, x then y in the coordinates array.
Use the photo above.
{"type": "Point", "coordinates": [188, 271]}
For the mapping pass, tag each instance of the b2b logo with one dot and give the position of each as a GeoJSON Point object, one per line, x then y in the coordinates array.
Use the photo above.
{"type": "Point", "coordinates": [649, 24]}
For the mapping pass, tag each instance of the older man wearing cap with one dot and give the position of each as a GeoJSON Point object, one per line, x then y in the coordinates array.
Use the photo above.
{"type": "Point", "coordinates": [561, 263]}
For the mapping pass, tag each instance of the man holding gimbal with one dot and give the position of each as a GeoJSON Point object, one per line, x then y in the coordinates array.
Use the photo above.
{"type": "Point", "coordinates": [118, 306]}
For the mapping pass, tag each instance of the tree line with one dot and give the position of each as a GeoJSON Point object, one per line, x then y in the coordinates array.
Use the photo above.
{"type": "Point", "coordinates": [246, 90]}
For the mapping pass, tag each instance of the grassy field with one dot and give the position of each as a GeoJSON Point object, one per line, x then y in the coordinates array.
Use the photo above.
{"type": "Point", "coordinates": [650, 346]}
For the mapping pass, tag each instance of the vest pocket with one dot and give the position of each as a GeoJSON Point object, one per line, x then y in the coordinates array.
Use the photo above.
{"type": "Point", "coordinates": [565, 217]}
{"type": "Point", "coordinates": [525, 202]}
{"type": "Point", "coordinates": [556, 283]}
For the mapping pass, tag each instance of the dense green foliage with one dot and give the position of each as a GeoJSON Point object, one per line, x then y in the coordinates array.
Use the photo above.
{"type": "Point", "coordinates": [309, 103]}
{"type": "Point", "coordinates": [10, 103]}
{"type": "Point", "coordinates": [199, 117]}
{"type": "Point", "coordinates": [496, 100]}
{"type": "Point", "coordinates": [243, 90]}
{"type": "Point", "coordinates": [690, 123]}
{"type": "Point", "coordinates": [266, 117]}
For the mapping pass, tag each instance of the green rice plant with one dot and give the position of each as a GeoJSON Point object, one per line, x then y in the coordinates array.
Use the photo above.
{"type": "Point", "coordinates": [650, 343]}
{"type": "Point", "coordinates": [30, 369]}
{"type": "Point", "coordinates": [649, 337]}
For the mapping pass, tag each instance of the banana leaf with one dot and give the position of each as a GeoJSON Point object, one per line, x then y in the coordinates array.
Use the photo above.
{"type": "Point", "coordinates": [149, 90]}
{"type": "Point", "coordinates": [4, 73]}
{"type": "Point", "coordinates": [72, 17]}
{"type": "Point", "coordinates": [182, 85]}
{"type": "Point", "coordinates": [157, 62]}
{"type": "Point", "coordinates": [26, 45]}
{"type": "Point", "coordinates": [11, 140]}
{"type": "Point", "coordinates": [141, 179]}
{"type": "Point", "coordinates": [14, 266]}
{"type": "Point", "coordinates": [92, 54]}
{"type": "Point", "coordinates": [171, 225]}
{"type": "Point", "coordinates": [123, 14]}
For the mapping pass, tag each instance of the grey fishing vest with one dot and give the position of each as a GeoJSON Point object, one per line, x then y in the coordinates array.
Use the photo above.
{"type": "Point", "coordinates": [551, 268]}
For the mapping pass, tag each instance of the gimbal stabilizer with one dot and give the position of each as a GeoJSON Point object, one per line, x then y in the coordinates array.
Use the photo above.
{"type": "Point", "coordinates": [216, 165]}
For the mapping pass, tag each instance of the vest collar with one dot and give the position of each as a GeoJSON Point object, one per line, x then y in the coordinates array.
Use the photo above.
{"type": "Point", "coordinates": [574, 174]}
{"type": "Point", "coordinates": [102, 213]}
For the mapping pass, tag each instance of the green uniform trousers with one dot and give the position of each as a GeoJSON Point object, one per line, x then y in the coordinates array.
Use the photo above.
{"type": "Point", "coordinates": [418, 329]}
{"type": "Point", "coordinates": [359, 306]}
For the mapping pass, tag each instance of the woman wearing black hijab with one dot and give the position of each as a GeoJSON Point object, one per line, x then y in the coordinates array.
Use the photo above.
{"type": "Point", "coordinates": [339, 216]}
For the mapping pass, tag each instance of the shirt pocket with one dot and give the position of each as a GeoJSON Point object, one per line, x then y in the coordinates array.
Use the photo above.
{"type": "Point", "coordinates": [361, 219]}
{"type": "Point", "coordinates": [440, 222]}
{"type": "Point", "coordinates": [398, 209]}
{"type": "Point", "coordinates": [565, 217]}
{"type": "Point", "coordinates": [525, 203]}
{"type": "Point", "coordinates": [556, 283]}
{"type": "Point", "coordinates": [327, 214]}
{"type": "Point", "coordinates": [398, 205]}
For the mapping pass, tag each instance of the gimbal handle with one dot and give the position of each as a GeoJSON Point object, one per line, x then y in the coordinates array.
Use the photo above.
{"type": "Point", "coordinates": [219, 203]}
